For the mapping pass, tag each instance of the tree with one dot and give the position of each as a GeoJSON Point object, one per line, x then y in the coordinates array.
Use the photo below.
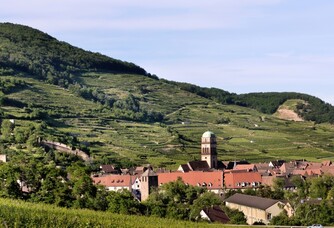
{"type": "Point", "coordinates": [156, 204]}
{"type": "Point", "coordinates": [123, 203]}
{"type": "Point", "coordinates": [278, 186]}
{"type": "Point", "coordinates": [101, 199]}
{"type": "Point", "coordinates": [83, 189]}
{"type": "Point", "coordinates": [330, 194]}
{"type": "Point", "coordinates": [207, 199]}
{"type": "Point", "coordinates": [301, 185]}
{"type": "Point", "coordinates": [6, 130]}
{"type": "Point", "coordinates": [281, 219]}
{"type": "Point", "coordinates": [53, 189]}
{"type": "Point", "coordinates": [235, 216]}
{"type": "Point", "coordinates": [9, 186]}
{"type": "Point", "coordinates": [320, 186]}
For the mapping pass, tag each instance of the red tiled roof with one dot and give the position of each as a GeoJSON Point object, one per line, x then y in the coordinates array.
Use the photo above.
{"type": "Point", "coordinates": [211, 180]}
{"type": "Point", "coordinates": [328, 169]}
{"type": "Point", "coordinates": [232, 164]}
{"type": "Point", "coordinates": [262, 166]}
{"type": "Point", "coordinates": [113, 180]}
{"type": "Point", "coordinates": [299, 172]}
{"type": "Point", "coordinates": [313, 165]}
{"type": "Point", "coordinates": [287, 167]}
{"type": "Point", "coordinates": [307, 172]}
{"type": "Point", "coordinates": [326, 163]}
{"type": "Point", "coordinates": [236, 179]}
{"type": "Point", "coordinates": [244, 167]}
{"type": "Point", "coordinates": [268, 180]}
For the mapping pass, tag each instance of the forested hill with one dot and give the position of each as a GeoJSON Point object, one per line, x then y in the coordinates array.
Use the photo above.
{"type": "Point", "coordinates": [29, 50]}
{"type": "Point", "coordinates": [313, 109]}
{"type": "Point", "coordinates": [24, 50]}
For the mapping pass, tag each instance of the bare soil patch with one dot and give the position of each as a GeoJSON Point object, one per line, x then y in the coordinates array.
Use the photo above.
{"type": "Point", "coordinates": [287, 114]}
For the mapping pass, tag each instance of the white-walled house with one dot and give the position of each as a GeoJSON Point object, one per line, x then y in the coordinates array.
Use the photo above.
{"type": "Point", "coordinates": [256, 209]}
{"type": "Point", "coordinates": [114, 182]}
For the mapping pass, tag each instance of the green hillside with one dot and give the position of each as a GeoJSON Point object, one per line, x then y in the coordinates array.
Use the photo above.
{"type": "Point", "coordinates": [313, 109]}
{"type": "Point", "coordinates": [118, 113]}
{"type": "Point", "coordinates": [43, 57]}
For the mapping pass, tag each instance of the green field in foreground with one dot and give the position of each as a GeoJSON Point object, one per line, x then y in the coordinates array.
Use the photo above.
{"type": "Point", "coordinates": [14, 213]}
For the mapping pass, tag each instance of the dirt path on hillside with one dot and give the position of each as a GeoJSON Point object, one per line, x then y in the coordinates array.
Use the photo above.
{"type": "Point", "coordinates": [287, 114]}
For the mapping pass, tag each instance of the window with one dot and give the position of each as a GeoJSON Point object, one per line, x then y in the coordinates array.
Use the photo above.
{"type": "Point", "coordinates": [269, 216]}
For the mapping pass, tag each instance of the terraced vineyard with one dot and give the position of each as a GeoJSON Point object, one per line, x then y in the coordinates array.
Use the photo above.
{"type": "Point", "coordinates": [245, 134]}
{"type": "Point", "coordinates": [120, 113]}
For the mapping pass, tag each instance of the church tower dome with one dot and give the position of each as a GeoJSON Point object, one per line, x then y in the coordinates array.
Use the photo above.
{"type": "Point", "coordinates": [208, 134]}
{"type": "Point", "coordinates": [209, 149]}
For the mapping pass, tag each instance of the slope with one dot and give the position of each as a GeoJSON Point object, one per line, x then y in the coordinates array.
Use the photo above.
{"type": "Point", "coordinates": [125, 116]}
{"type": "Point", "coordinates": [313, 108]}
{"type": "Point", "coordinates": [43, 57]}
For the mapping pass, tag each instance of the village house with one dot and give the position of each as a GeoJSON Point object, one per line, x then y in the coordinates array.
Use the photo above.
{"type": "Point", "coordinates": [242, 179]}
{"type": "Point", "coordinates": [114, 182]}
{"type": "Point", "coordinates": [256, 209]}
{"type": "Point", "coordinates": [194, 166]}
{"type": "Point", "coordinates": [213, 181]}
{"type": "Point", "coordinates": [141, 185]}
{"type": "Point", "coordinates": [265, 169]}
{"type": "Point", "coordinates": [229, 165]}
{"type": "Point", "coordinates": [109, 169]}
{"type": "Point", "coordinates": [276, 163]}
{"type": "Point", "coordinates": [214, 214]}
{"type": "Point", "coordinates": [287, 181]}
{"type": "Point", "coordinates": [306, 168]}
{"type": "Point", "coordinates": [246, 167]}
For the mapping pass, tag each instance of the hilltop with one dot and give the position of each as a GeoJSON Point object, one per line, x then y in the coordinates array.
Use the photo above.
{"type": "Point", "coordinates": [118, 113]}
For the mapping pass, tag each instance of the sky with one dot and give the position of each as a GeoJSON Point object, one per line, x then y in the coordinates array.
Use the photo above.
{"type": "Point", "coordinates": [240, 46]}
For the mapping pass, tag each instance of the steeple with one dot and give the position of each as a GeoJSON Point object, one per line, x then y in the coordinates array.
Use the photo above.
{"type": "Point", "coordinates": [209, 149]}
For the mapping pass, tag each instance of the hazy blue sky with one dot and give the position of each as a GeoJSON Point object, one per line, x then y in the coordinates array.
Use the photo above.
{"type": "Point", "coordinates": [237, 45]}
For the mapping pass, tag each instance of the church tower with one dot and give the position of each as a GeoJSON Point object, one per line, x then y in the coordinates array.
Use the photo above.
{"type": "Point", "coordinates": [209, 149]}
{"type": "Point", "coordinates": [148, 180]}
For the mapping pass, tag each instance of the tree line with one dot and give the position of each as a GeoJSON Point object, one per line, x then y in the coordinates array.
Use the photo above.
{"type": "Point", "coordinates": [42, 56]}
